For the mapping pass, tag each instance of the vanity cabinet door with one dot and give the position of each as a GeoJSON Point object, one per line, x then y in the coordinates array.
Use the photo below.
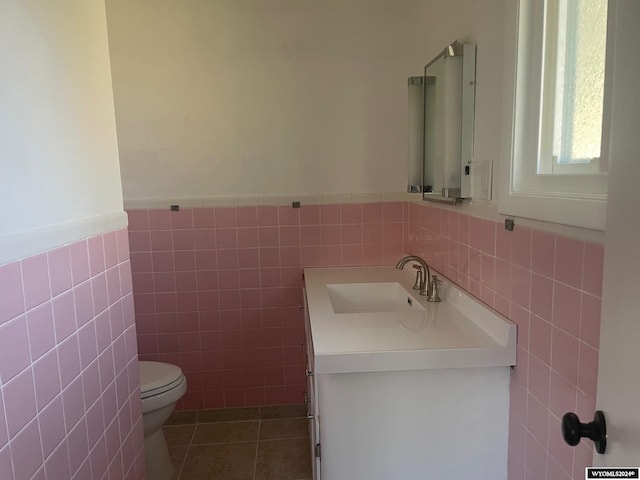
{"type": "Point", "coordinates": [311, 395]}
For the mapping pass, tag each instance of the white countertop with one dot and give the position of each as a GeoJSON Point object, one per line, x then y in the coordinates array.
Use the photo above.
{"type": "Point", "coordinates": [458, 332]}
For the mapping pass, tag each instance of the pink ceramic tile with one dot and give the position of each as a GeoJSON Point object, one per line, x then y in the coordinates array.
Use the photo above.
{"type": "Point", "coordinates": [11, 293]}
{"type": "Point", "coordinates": [310, 215]}
{"type": "Point", "coordinates": [83, 300]}
{"type": "Point", "coordinates": [122, 239]}
{"type": "Point", "coordinates": [269, 257]}
{"type": "Point", "coordinates": [79, 258]}
{"type": "Point", "coordinates": [163, 282]}
{"type": "Point", "coordinates": [14, 348]}
{"type": "Point", "coordinates": [593, 267]}
{"type": "Point", "coordinates": [203, 218]}
{"type": "Point", "coordinates": [247, 237]}
{"type": "Point", "coordinates": [555, 472]}
{"type": "Point", "coordinates": [225, 217]}
{"type": "Point", "coordinates": [289, 235]}
{"type": "Point", "coordinates": [19, 401]}
{"type": "Point", "coordinates": [540, 338]}
{"type": "Point", "coordinates": [332, 255]}
{"type": "Point", "coordinates": [35, 277]}
{"type": "Point", "coordinates": [503, 278]}
{"type": "Point", "coordinates": [372, 233]}
{"type": "Point", "coordinates": [536, 459]}
{"type": "Point", "coordinates": [60, 268]}
{"type": "Point", "coordinates": [371, 213]}
{"type": "Point", "coordinates": [179, 302]}
{"type": "Point", "coordinates": [564, 355]}
{"type": "Point", "coordinates": [539, 380]}
{"type": "Point", "coordinates": [113, 284]}
{"type": "Point", "coordinates": [268, 216]}
{"type": "Point", "coordinates": [521, 249]}
{"type": "Point", "coordinates": [569, 261]}
{"type": "Point", "coordinates": [288, 216]}
{"type": "Point", "coordinates": [182, 219]}
{"type": "Point", "coordinates": [100, 296]}
{"type": "Point", "coordinates": [183, 239]}
{"type": "Point", "coordinates": [88, 344]}
{"type": "Point", "coordinates": [488, 271]}
{"type": "Point", "coordinates": [520, 286]}
{"type": "Point", "coordinates": [91, 383]}
{"type": "Point", "coordinates": [227, 279]}
{"type": "Point", "coordinates": [78, 445]}
{"type": "Point", "coordinates": [268, 237]}
{"type": "Point", "coordinates": [69, 360]}
{"type": "Point", "coordinates": [247, 216]}
{"type": "Point", "coordinates": [583, 457]}
{"type": "Point", "coordinates": [559, 451]}
{"type": "Point", "coordinates": [311, 235]}
{"type": "Point", "coordinates": [204, 238]}
{"type": "Point", "coordinates": [185, 261]}
{"type": "Point", "coordinates": [290, 257]}
{"type": "Point", "coordinates": [588, 370]}
{"type": "Point", "coordinates": [371, 254]}
{"type": "Point", "coordinates": [590, 320]}
{"type": "Point", "coordinates": [392, 233]}
{"type": "Point", "coordinates": [46, 376]}
{"type": "Point", "coordinates": [96, 255]}
{"type": "Point", "coordinates": [139, 241]}
{"type": "Point", "coordinates": [543, 253]}
{"type": "Point", "coordinates": [138, 219]}
{"type": "Point", "coordinates": [271, 297]}
{"type": "Point", "coordinates": [566, 309]}
{"type": "Point", "coordinates": [26, 452]}
{"type": "Point", "coordinates": [141, 262]}
{"type": "Point", "coordinates": [541, 296]}
{"type": "Point", "coordinates": [392, 212]}
{"type": "Point", "coordinates": [51, 423]}
{"type": "Point", "coordinates": [351, 234]}
{"type": "Point", "coordinates": [160, 219]}
{"type": "Point", "coordinates": [226, 238]}
{"type": "Point", "coordinates": [331, 235]}
{"type": "Point", "coordinates": [538, 421]}
{"type": "Point", "coordinates": [73, 403]}
{"type": "Point", "coordinates": [504, 242]}
{"type": "Point", "coordinates": [162, 261]}
{"type": "Point", "coordinates": [463, 221]}
{"type": "Point", "coordinates": [110, 249]}
{"type": "Point", "coordinates": [562, 395]}
{"type": "Point", "coordinates": [64, 316]}
{"type": "Point", "coordinates": [330, 214]}
{"type": "Point", "coordinates": [41, 330]}
{"type": "Point", "coordinates": [352, 214]}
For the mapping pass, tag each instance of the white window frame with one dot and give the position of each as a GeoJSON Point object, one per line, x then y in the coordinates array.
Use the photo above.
{"type": "Point", "coordinates": [577, 200]}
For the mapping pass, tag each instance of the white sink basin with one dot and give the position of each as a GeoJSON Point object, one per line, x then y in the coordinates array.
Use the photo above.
{"type": "Point", "coordinates": [371, 298]}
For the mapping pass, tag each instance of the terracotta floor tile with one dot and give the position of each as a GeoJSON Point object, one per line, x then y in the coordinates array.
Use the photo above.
{"type": "Point", "coordinates": [226, 432]}
{"type": "Point", "coordinates": [228, 414]}
{"type": "Point", "coordinates": [229, 462]}
{"type": "Point", "coordinates": [283, 411]}
{"type": "Point", "coordinates": [281, 428]}
{"type": "Point", "coordinates": [283, 460]}
{"type": "Point", "coordinates": [182, 417]}
{"type": "Point", "coordinates": [178, 434]}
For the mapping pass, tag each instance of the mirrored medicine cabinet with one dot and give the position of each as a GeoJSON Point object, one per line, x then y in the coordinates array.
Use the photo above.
{"type": "Point", "coordinates": [441, 123]}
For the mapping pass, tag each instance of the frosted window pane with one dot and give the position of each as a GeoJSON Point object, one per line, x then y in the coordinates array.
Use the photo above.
{"type": "Point", "coordinates": [582, 32]}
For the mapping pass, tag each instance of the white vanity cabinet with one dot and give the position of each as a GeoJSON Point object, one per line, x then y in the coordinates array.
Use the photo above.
{"type": "Point", "coordinates": [406, 393]}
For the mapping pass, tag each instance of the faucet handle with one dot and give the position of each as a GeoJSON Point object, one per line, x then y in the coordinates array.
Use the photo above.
{"type": "Point", "coordinates": [433, 294]}
{"type": "Point", "coordinates": [417, 284]}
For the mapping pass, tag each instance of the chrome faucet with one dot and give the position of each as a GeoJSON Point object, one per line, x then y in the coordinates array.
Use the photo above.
{"type": "Point", "coordinates": [425, 280]}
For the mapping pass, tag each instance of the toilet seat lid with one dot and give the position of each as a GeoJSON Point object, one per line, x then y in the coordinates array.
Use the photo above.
{"type": "Point", "coordinates": [158, 377]}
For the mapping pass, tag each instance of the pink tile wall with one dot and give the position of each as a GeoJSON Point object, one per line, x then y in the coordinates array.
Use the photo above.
{"type": "Point", "coordinates": [69, 387]}
{"type": "Point", "coordinates": [551, 287]}
{"type": "Point", "coordinates": [218, 290]}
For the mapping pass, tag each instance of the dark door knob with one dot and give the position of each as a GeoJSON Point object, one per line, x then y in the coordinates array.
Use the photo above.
{"type": "Point", "coordinates": [573, 430]}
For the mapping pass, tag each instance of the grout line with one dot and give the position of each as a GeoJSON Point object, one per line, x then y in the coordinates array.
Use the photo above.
{"type": "Point", "coordinates": [186, 455]}
{"type": "Point", "coordinates": [255, 461]}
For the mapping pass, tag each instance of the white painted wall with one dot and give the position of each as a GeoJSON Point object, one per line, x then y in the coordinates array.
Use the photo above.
{"type": "Point", "coordinates": [220, 97]}
{"type": "Point", "coordinates": [58, 155]}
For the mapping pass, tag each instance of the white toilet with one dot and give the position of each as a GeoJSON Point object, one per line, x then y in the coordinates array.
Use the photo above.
{"type": "Point", "coordinates": [161, 386]}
